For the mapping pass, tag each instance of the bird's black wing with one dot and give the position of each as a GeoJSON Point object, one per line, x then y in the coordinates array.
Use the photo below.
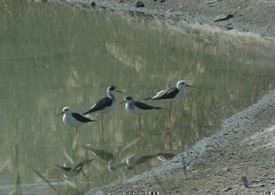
{"type": "Point", "coordinates": [165, 94]}
{"type": "Point", "coordinates": [144, 106]}
{"type": "Point", "coordinates": [81, 118]}
{"type": "Point", "coordinates": [100, 105]}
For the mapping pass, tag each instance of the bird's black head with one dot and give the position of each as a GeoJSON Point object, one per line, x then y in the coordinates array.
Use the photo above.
{"type": "Point", "coordinates": [112, 88]}
{"type": "Point", "coordinates": [128, 98]}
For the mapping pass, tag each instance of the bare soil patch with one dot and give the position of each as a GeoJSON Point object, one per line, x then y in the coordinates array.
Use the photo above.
{"type": "Point", "coordinates": [254, 16]}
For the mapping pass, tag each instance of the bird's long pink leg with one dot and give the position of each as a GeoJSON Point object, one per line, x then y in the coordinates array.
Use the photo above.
{"type": "Point", "coordinates": [170, 111]}
{"type": "Point", "coordinates": [102, 122]}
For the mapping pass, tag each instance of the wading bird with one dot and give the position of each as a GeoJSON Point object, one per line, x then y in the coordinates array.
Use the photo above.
{"type": "Point", "coordinates": [137, 108]}
{"type": "Point", "coordinates": [171, 94]}
{"type": "Point", "coordinates": [104, 105]}
{"type": "Point", "coordinates": [73, 119]}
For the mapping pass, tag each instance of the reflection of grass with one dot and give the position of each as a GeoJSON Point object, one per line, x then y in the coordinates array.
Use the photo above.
{"type": "Point", "coordinates": [84, 185]}
{"type": "Point", "coordinates": [42, 177]}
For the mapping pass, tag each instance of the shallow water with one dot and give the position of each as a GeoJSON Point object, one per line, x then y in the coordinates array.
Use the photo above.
{"type": "Point", "coordinates": [54, 56]}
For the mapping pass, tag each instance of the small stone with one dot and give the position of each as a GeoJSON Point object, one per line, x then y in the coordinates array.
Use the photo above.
{"type": "Point", "coordinates": [223, 17]}
{"type": "Point", "coordinates": [227, 189]}
{"type": "Point", "coordinates": [93, 4]}
{"type": "Point", "coordinates": [226, 169]}
{"type": "Point", "coordinates": [139, 4]}
{"type": "Point", "coordinates": [212, 2]}
{"type": "Point", "coordinates": [245, 181]}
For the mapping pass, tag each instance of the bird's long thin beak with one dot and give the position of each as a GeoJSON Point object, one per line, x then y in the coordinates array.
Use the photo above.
{"type": "Point", "coordinates": [122, 102]}
{"type": "Point", "coordinates": [187, 85]}
{"type": "Point", "coordinates": [60, 114]}
{"type": "Point", "coordinates": [120, 92]}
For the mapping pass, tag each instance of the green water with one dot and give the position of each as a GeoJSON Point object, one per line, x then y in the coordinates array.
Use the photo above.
{"type": "Point", "coordinates": [54, 56]}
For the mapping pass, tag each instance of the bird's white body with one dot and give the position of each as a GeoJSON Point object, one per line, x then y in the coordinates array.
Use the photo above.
{"type": "Point", "coordinates": [106, 109]}
{"type": "Point", "coordinates": [70, 121]}
{"type": "Point", "coordinates": [133, 107]}
{"type": "Point", "coordinates": [138, 108]}
{"type": "Point", "coordinates": [171, 94]}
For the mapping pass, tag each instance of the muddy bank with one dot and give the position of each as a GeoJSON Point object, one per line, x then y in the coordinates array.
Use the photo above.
{"type": "Point", "coordinates": [250, 16]}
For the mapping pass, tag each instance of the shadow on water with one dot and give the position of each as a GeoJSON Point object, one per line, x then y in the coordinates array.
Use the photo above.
{"type": "Point", "coordinates": [54, 56]}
